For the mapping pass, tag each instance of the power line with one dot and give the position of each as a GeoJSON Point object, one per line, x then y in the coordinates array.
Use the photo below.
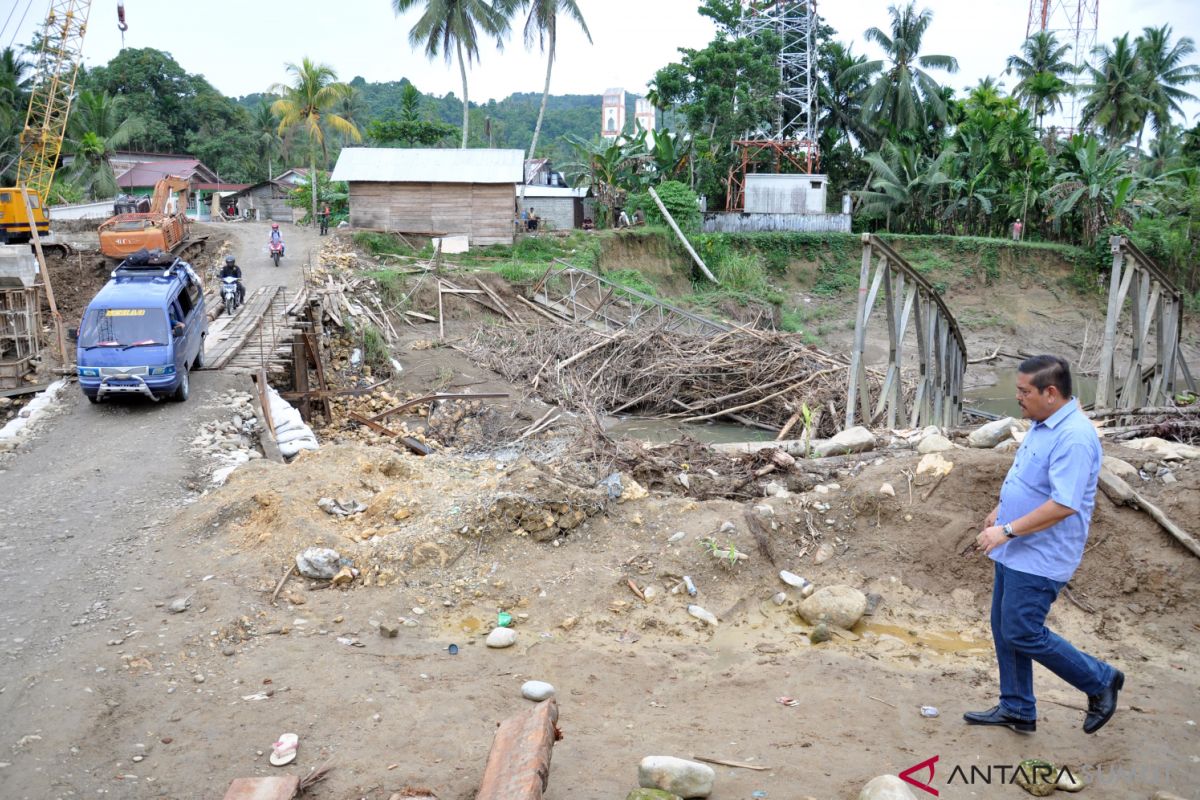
{"type": "Point", "coordinates": [17, 29]}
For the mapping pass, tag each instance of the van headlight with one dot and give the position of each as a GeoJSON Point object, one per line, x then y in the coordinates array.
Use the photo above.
{"type": "Point", "coordinates": [167, 370]}
{"type": "Point", "coordinates": [88, 372]}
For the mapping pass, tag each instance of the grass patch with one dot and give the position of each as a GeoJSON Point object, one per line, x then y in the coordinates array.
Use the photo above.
{"type": "Point", "coordinates": [519, 271]}
{"type": "Point", "coordinates": [632, 279]}
{"type": "Point", "coordinates": [742, 272]}
{"type": "Point", "coordinates": [391, 284]}
{"type": "Point", "coordinates": [379, 244]}
{"type": "Point", "coordinates": [375, 349]}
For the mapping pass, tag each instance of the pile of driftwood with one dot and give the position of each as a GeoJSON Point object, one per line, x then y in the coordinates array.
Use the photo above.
{"type": "Point", "coordinates": [766, 380]}
{"type": "Point", "coordinates": [1177, 423]}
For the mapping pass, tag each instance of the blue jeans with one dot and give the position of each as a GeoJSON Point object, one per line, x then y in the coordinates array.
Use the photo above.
{"type": "Point", "coordinates": [1020, 603]}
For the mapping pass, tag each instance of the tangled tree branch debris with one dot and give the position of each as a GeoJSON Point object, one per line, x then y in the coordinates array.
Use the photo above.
{"type": "Point", "coordinates": [764, 379]}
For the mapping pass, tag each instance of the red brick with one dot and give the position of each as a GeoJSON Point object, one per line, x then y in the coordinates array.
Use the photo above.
{"type": "Point", "coordinates": [518, 765]}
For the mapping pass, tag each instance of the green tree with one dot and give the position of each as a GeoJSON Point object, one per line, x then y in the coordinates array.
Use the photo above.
{"type": "Point", "coordinates": [1165, 73]}
{"type": "Point", "coordinates": [541, 24]}
{"type": "Point", "coordinates": [1116, 99]}
{"type": "Point", "coordinates": [841, 90]}
{"type": "Point", "coordinates": [905, 97]}
{"type": "Point", "coordinates": [1041, 69]}
{"type": "Point", "coordinates": [457, 25]}
{"type": "Point", "coordinates": [905, 186]}
{"type": "Point", "coordinates": [14, 99]}
{"type": "Point", "coordinates": [97, 128]}
{"type": "Point", "coordinates": [268, 142]}
{"type": "Point", "coordinates": [1095, 187]}
{"type": "Point", "coordinates": [307, 103]}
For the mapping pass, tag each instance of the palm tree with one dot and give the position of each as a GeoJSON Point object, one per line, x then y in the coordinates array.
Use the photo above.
{"type": "Point", "coordinates": [542, 24]}
{"type": "Point", "coordinates": [1097, 186]}
{"type": "Point", "coordinates": [904, 95]}
{"type": "Point", "coordinates": [904, 182]}
{"type": "Point", "coordinates": [97, 128]}
{"type": "Point", "coordinates": [1116, 99]}
{"type": "Point", "coordinates": [265, 126]}
{"type": "Point", "coordinates": [1041, 68]}
{"type": "Point", "coordinates": [308, 103]}
{"type": "Point", "coordinates": [1165, 73]}
{"type": "Point", "coordinates": [841, 97]}
{"type": "Point", "coordinates": [458, 24]}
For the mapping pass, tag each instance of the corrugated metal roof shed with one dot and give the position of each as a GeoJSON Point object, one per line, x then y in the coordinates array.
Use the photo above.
{"type": "Point", "coordinates": [414, 165]}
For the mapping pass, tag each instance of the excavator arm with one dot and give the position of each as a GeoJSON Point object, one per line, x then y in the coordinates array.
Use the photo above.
{"type": "Point", "coordinates": [162, 193]}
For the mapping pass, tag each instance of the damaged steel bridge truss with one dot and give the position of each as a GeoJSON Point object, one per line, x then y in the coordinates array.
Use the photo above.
{"type": "Point", "coordinates": [941, 355]}
{"type": "Point", "coordinates": [1155, 305]}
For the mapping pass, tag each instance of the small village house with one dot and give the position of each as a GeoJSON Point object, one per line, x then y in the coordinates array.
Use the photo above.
{"type": "Point", "coordinates": [433, 192]}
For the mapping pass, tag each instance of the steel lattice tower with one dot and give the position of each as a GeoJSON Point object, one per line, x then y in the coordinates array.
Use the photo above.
{"type": "Point", "coordinates": [1074, 22]}
{"type": "Point", "coordinates": [794, 22]}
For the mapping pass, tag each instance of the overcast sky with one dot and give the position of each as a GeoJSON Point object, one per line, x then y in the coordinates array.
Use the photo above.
{"type": "Point", "coordinates": [241, 45]}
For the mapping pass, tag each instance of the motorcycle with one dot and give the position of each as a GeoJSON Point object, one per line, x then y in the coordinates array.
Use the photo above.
{"type": "Point", "coordinates": [229, 294]}
{"type": "Point", "coordinates": [276, 252]}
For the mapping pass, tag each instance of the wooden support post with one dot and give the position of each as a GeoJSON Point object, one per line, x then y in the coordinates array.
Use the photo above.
{"type": "Point", "coordinates": [300, 380]}
{"type": "Point", "coordinates": [860, 332]}
{"type": "Point", "coordinates": [41, 259]}
{"type": "Point", "coordinates": [683, 239]}
{"type": "Point", "coordinates": [1105, 394]}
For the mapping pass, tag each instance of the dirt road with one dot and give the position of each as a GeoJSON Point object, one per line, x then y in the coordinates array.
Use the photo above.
{"type": "Point", "coordinates": [86, 557]}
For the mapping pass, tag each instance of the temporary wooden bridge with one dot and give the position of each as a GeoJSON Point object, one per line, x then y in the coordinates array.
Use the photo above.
{"type": "Point", "coordinates": [941, 354]}
{"type": "Point", "coordinates": [1155, 306]}
{"type": "Point", "coordinates": [570, 294]}
{"type": "Point", "coordinates": [258, 336]}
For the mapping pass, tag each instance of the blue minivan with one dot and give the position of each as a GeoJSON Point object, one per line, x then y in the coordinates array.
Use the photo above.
{"type": "Point", "coordinates": [143, 331]}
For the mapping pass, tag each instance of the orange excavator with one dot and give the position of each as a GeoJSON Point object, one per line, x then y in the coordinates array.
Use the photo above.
{"type": "Point", "coordinates": [164, 227]}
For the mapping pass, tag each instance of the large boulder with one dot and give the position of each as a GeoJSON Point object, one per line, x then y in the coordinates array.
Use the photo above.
{"type": "Point", "coordinates": [934, 443]}
{"type": "Point", "coordinates": [842, 606]}
{"type": "Point", "coordinates": [886, 787]}
{"type": "Point", "coordinates": [1122, 469]}
{"type": "Point", "coordinates": [852, 440]}
{"type": "Point", "coordinates": [991, 434]}
{"type": "Point", "coordinates": [676, 775]}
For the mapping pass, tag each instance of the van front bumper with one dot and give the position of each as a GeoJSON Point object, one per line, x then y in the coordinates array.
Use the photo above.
{"type": "Point", "coordinates": [155, 388]}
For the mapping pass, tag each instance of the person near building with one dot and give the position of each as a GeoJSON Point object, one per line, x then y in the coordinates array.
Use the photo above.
{"type": "Point", "coordinates": [324, 219]}
{"type": "Point", "coordinates": [1036, 537]}
{"type": "Point", "coordinates": [1017, 228]}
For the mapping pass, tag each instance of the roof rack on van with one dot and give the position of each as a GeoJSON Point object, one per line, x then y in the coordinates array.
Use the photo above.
{"type": "Point", "coordinates": [147, 263]}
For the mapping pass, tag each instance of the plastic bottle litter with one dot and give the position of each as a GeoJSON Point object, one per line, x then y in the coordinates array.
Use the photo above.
{"type": "Point", "coordinates": [791, 579]}
{"type": "Point", "coordinates": [929, 711]}
{"type": "Point", "coordinates": [504, 619]}
{"type": "Point", "coordinates": [691, 587]}
{"type": "Point", "coordinates": [702, 615]}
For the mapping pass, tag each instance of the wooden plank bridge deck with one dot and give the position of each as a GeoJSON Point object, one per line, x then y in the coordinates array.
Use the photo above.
{"type": "Point", "coordinates": [258, 336]}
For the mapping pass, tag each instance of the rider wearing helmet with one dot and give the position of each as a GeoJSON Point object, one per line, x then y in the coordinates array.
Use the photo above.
{"type": "Point", "coordinates": [232, 270]}
{"type": "Point", "coordinates": [276, 236]}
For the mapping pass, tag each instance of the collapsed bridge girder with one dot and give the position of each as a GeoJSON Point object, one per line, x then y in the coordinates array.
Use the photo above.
{"type": "Point", "coordinates": [941, 352]}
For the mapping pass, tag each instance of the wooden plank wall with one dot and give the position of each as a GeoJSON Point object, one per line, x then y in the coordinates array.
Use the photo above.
{"type": "Point", "coordinates": [482, 211]}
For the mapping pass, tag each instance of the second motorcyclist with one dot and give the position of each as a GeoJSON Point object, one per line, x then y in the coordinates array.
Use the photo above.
{"type": "Point", "coordinates": [277, 238]}
{"type": "Point", "coordinates": [232, 270]}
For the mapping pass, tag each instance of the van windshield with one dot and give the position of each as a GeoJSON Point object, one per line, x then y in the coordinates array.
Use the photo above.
{"type": "Point", "coordinates": [123, 327]}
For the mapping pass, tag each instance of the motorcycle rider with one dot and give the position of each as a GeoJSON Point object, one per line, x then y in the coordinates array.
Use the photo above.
{"type": "Point", "coordinates": [232, 270]}
{"type": "Point", "coordinates": [277, 237]}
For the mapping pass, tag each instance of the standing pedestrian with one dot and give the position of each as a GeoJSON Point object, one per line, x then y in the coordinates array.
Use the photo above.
{"type": "Point", "coordinates": [1017, 228]}
{"type": "Point", "coordinates": [1035, 536]}
{"type": "Point", "coordinates": [325, 219]}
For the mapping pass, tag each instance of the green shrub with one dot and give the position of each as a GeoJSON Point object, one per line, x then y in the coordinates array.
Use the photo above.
{"type": "Point", "coordinates": [520, 271]}
{"type": "Point", "coordinates": [375, 349]}
{"type": "Point", "coordinates": [742, 272]}
{"type": "Point", "coordinates": [679, 199]}
{"type": "Point", "coordinates": [391, 285]}
{"type": "Point", "coordinates": [536, 248]}
{"type": "Point", "coordinates": [632, 279]}
{"type": "Point", "coordinates": [380, 243]}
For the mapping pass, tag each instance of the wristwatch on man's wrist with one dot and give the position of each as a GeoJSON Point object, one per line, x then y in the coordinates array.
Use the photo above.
{"type": "Point", "coordinates": [1009, 533]}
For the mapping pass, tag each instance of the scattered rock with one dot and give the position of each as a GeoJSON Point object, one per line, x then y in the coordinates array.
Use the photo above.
{"type": "Point", "coordinates": [1167, 451]}
{"type": "Point", "coordinates": [840, 605]}
{"type": "Point", "coordinates": [934, 464]}
{"type": "Point", "coordinates": [1122, 469]}
{"type": "Point", "coordinates": [887, 490]}
{"type": "Point", "coordinates": [1068, 781]}
{"type": "Point", "coordinates": [823, 554]}
{"type": "Point", "coordinates": [388, 630]}
{"type": "Point", "coordinates": [651, 593]}
{"type": "Point", "coordinates": [728, 527]}
{"type": "Point", "coordinates": [676, 775]}
{"type": "Point", "coordinates": [991, 434]}
{"type": "Point", "coordinates": [318, 563]}
{"type": "Point", "coordinates": [886, 787]}
{"type": "Point", "coordinates": [227, 650]}
{"type": "Point", "coordinates": [935, 443]}
{"type": "Point", "coordinates": [1037, 777]}
{"type": "Point", "coordinates": [820, 633]}
{"type": "Point", "coordinates": [568, 623]}
{"type": "Point", "coordinates": [1169, 478]}
{"type": "Point", "coordinates": [779, 598]}
{"type": "Point", "coordinates": [651, 794]}
{"type": "Point", "coordinates": [500, 638]}
{"type": "Point", "coordinates": [341, 508]}
{"type": "Point", "coordinates": [1114, 488]}
{"type": "Point", "coordinates": [179, 605]}
{"type": "Point", "coordinates": [198, 678]}
{"type": "Point", "coordinates": [852, 440]}
{"type": "Point", "coordinates": [676, 537]}
{"type": "Point", "coordinates": [344, 577]}
{"type": "Point", "coordinates": [702, 614]}
{"type": "Point", "coordinates": [537, 691]}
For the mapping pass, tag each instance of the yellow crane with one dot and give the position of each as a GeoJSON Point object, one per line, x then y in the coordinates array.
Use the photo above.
{"type": "Point", "coordinates": [24, 206]}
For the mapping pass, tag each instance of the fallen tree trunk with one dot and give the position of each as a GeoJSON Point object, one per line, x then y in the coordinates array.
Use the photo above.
{"type": "Point", "coordinates": [518, 765]}
{"type": "Point", "coordinates": [1121, 493]}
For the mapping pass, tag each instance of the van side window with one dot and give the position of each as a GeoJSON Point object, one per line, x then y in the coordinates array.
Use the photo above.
{"type": "Point", "coordinates": [193, 293]}
{"type": "Point", "coordinates": [185, 303]}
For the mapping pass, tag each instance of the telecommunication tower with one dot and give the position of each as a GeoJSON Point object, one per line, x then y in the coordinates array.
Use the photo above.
{"type": "Point", "coordinates": [1073, 22]}
{"type": "Point", "coordinates": [792, 139]}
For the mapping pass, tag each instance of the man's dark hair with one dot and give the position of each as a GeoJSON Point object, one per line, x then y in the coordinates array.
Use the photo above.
{"type": "Point", "coordinates": [1046, 371]}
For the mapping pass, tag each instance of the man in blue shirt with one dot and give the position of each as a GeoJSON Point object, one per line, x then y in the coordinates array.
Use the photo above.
{"type": "Point", "coordinates": [1036, 536]}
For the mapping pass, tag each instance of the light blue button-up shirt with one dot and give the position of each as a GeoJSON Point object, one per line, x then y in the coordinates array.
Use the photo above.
{"type": "Point", "coordinates": [1059, 460]}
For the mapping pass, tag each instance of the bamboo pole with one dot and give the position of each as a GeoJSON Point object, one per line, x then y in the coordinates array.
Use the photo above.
{"type": "Point", "coordinates": [41, 258]}
{"type": "Point", "coordinates": [683, 239]}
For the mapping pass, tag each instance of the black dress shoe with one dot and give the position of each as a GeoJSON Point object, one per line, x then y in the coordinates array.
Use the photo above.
{"type": "Point", "coordinates": [998, 716]}
{"type": "Point", "coordinates": [1102, 706]}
